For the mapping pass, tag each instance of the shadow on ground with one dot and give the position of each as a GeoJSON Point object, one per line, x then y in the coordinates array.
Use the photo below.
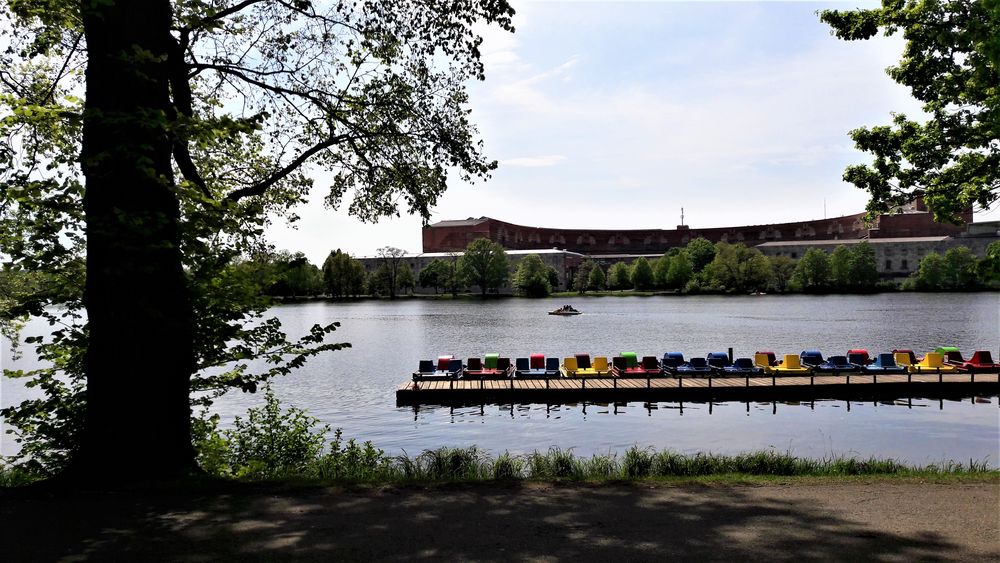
{"type": "Point", "coordinates": [570, 522]}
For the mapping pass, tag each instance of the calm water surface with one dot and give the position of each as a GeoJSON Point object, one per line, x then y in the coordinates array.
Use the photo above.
{"type": "Point", "coordinates": [354, 389]}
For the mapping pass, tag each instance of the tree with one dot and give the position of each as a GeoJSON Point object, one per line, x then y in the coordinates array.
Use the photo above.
{"type": "Point", "coordinates": [701, 252]}
{"type": "Point", "coordinates": [681, 271]}
{"type": "Point", "coordinates": [863, 266]}
{"type": "Point", "coordinates": [202, 122]}
{"type": "Point", "coordinates": [782, 269]}
{"type": "Point", "coordinates": [596, 280]}
{"type": "Point", "coordinates": [738, 268]}
{"type": "Point", "coordinates": [642, 274]}
{"type": "Point", "coordinates": [553, 276]}
{"type": "Point", "coordinates": [960, 268]}
{"type": "Point", "coordinates": [404, 278]}
{"type": "Point", "coordinates": [581, 280]}
{"type": "Point", "coordinates": [619, 277]}
{"type": "Point", "coordinates": [532, 277]}
{"type": "Point", "coordinates": [660, 269]}
{"type": "Point", "coordinates": [392, 258]}
{"type": "Point", "coordinates": [812, 273]}
{"type": "Point", "coordinates": [484, 264]}
{"type": "Point", "coordinates": [343, 276]}
{"type": "Point", "coordinates": [951, 63]}
{"type": "Point", "coordinates": [840, 268]}
{"type": "Point", "coordinates": [932, 273]}
{"type": "Point", "coordinates": [434, 275]}
{"type": "Point", "coordinates": [989, 266]}
{"type": "Point", "coordinates": [297, 276]}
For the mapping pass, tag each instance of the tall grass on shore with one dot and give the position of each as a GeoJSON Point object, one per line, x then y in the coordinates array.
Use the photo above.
{"type": "Point", "coordinates": [351, 462]}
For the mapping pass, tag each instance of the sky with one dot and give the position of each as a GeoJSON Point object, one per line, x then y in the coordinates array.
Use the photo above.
{"type": "Point", "coordinates": [612, 115]}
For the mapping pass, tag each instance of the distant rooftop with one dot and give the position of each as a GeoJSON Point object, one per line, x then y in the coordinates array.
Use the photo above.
{"type": "Point", "coordinates": [460, 222]}
{"type": "Point", "coordinates": [850, 241]}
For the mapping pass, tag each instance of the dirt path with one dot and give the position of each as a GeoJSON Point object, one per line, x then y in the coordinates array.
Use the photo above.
{"type": "Point", "coordinates": [882, 521]}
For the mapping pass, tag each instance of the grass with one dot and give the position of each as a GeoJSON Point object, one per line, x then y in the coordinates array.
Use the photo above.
{"type": "Point", "coordinates": [362, 464]}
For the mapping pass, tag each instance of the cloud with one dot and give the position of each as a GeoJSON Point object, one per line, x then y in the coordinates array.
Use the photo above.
{"type": "Point", "coordinates": [534, 161]}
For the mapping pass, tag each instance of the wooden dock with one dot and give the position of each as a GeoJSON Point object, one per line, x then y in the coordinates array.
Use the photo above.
{"type": "Point", "coordinates": [766, 388]}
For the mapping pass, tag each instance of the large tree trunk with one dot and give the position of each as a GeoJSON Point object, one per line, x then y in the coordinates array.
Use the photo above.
{"type": "Point", "coordinates": [140, 351]}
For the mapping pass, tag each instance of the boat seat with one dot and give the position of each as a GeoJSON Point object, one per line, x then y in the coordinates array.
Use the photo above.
{"type": "Point", "coordinates": [902, 358]}
{"type": "Point", "coordinates": [569, 364]}
{"type": "Point", "coordinates": [522, 364]}
{"type": "Point", "coordinates": [503, 364]}
{"type": "Point", "coordinates": [770, 360]}
{"type": "Point", "coordinates": [792, 361]}
{"type": "Point", "coordinates": [672, 359]}
{"type": "Point", "coordinates": [454, 366]}
{"type": "Point", "coordinates": [444, 362]}
{"type": "Point", "coordinates": [474, 364]}
{"type": "Point", "coordinates": [857, 358]}
{"type": "Point", "coordinates": [630, 359]}
{"type": "Point", "coordinates": [718, 359]}
{"type": "Point", "coordinates": [743, 363]}
{"type": "Point", "coordinates": [981, 357]}
{"type": "Point", "coordinates": [537, 361]}
{"type": "Point", "coordinates": [911, 358]}
{"type": "Point", "coordinates": [761, 359]}
{"type": "Point", "coordinates": [583, 361]}
{"type": "Point", "coordinates": [885, 361]}
{"type": "Point", "coordinates": [619, 363]}
{"type": "Point", "coordinates": [491, 361]}
{"type": "Point", "coordinates": [650, 363]}
{"type": "Point", "coordinates": [426, 366]}
{"type": "Point", "coordinates": [552, 364]}
{"type": "Point", "coordinates": [810, 357]}
{"type": "Point", "coordinates": [601, 364]}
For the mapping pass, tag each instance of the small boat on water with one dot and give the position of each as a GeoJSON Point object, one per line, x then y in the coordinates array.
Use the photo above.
{"type": "Point", "coordinates": [565, 310]}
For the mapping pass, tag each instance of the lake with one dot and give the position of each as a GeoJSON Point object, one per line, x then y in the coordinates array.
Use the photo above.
{"type": "Point", "coordinates": [354, 389]}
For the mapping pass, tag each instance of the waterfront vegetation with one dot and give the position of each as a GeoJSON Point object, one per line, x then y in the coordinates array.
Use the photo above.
{"type": "Point", "coordinates": [274, 443]}
{"type": "Point", "coordinates": [698, 268]}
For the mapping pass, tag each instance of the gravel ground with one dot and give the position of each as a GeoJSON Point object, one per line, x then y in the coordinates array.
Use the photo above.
{"type": "Point", "coordinates": [881, 520]}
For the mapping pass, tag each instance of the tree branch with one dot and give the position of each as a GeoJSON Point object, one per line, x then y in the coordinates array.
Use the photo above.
{"type": "Point", "coordinates": [261, 187]}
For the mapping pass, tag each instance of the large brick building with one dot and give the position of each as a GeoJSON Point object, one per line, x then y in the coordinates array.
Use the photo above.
{"type": "Point", "coordinates": [454, 236]}
{"type": "Point", "coordinates": [900, 240]}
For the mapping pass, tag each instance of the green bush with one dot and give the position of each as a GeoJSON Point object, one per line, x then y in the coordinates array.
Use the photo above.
{"type": "Point", "coordinates": [272, 442]}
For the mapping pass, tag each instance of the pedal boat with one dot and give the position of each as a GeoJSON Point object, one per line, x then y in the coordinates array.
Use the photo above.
{"type": "Point", "coordinates": [884, 363]}
{"type": "Point", "coordinates": [565, 310]}
{"type": "Point", "coordinates": [742, 367]}
{"type": "Point", "coordinates": [492, 366]}
{"type": "Point", "coordinates": [537, 366]}
{"type": "Point", "coordinates": [932, 362]}
{"type": "Point", "coordinates": [952, 355]}
{"type": "Point", "coordinates": [718, 361]}
{"type": "Point", "coordinates": [628, 365]}
{"type": "Point", "coordinates": [980, 361]}
{"type": "Point", "coordinates": [791, 365]}
{"type": "Point", "coordinates": [810, 358]}
{"type": "Point", "coordinates": [579, 365]}
{"type": "Point", "coordinates": [695, 367]}
{"type": "Point", "coordinates": [447, 367]}
{"type": "Point", "coordinates": [764, 360]}
{"type": "Point", "coordinates": [859, 357]}
{"type": "Point", "coordinates": [671, 361]}
{"type": "Point", "coordinates": [837, 364]}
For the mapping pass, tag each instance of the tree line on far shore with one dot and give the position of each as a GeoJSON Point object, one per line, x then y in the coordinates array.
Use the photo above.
{"type": "Point", "coordinates": [698, 267]}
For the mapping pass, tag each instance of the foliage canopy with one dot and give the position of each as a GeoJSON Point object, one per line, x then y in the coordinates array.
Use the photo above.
{"type": "Point", "coordinates": [951, 63]}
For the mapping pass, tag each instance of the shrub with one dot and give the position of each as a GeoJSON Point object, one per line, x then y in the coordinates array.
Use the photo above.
{"type": "Point", "coordinates": [272, 442]}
